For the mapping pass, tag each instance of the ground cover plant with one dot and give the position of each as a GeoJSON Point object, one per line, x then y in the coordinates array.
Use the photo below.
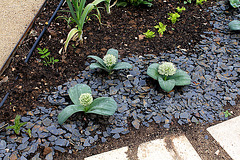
{"type": "Point", "coordinates": [109, 62]}
{"type": "Point", "coordinates": [121, 30]}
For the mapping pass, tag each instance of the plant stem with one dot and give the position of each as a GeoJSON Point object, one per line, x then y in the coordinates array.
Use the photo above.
{"type": "Point", "coordinates": [165, 78]}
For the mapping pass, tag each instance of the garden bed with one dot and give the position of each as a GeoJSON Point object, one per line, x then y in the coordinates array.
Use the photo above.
{"type": "Point", "coordinates": [207, 52]}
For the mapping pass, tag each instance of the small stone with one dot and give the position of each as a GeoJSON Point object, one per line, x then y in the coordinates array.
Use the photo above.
{"type": "Point", "coordinates": [61, 142]}
{"type": "Point", "coordinates": [33, 148]}
{"type": "Point", "coordinates": [206, 137]}
{"type": "Point", "coordinates": [60, 149]}
{"type": "Point", "coordinates": [217, 152]}
{"type": "Point", "coordinates": [117, 130]}
{"type": "Point", "coordinates": [116, 136]}
{"type": "Point", "coordinates": [86, 143]}
{"type": "Point", "coordinates": [36, 157]}
{"type": "Point", "coordinates": [184, 115]}
{"type": "Point", "coordinates": [47, 122]}
{"type": "Point", "coordinates": [3, 144]}
{"type": "Point", "coordinates": [47, 150]}
{"type": "Point", "coordinates": [103, 139]}
{"type": "Point", "coordinates": [49, 156]}
{"type": "Point", "coordinates": [136, 123]}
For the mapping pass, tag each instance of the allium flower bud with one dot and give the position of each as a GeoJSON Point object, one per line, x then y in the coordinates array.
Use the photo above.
{"type": "Point", "coordinates": [167, 69]}
{"type": "Point", "coordinates": [109, 60]}
{"type": "Point", "coordinates": [86, 99]}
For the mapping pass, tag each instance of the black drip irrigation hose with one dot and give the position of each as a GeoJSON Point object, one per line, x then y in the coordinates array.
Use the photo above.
{"type": "Point", "coordinates": [35, 44]}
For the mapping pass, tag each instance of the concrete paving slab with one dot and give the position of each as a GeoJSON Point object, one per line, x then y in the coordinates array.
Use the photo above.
{"type": "Point", "coordinates": [227, 134]}
{"type": "Point", "coordinates": [168, 149]}
{"type": "Point", "coordinates": [15, 16]}
{"type": "Point", "coordinates": [117, 154]}
{"type": "Point", "coordinates": [184, 148]}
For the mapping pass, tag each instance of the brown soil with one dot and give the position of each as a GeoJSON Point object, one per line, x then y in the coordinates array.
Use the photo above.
{"type": "Point", "coordinates": [121, 31]}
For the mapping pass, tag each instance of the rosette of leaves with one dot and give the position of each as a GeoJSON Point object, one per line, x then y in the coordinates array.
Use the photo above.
{"type": "Point", "coordinates": [168, 76]}
{"type": "Point", "coordinates": [149, 34]}
{"type": "Point", "coordinates": [17, 125]}
{"type": "Point", "coordinates": [161, 28]}
{"type": "Point", "coordinates": [173, 17]}
{"type": "Point", "coordinates": [234, 3]}
{"type": "Point", "coordinates": [81, 97]}
{"type": "Point", "coordinates": [109, 62]}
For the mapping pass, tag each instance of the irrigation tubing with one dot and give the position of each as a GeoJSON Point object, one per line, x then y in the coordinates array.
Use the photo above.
{"type": "Point", "coordinates": [35, 44]}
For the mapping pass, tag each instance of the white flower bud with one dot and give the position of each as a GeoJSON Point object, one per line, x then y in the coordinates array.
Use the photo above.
{"type": "Point", "coordinates": [86, 99]}
{"type": "Point", "coordinates": [167, 69]}
{"type": "Point", "coordinates": [109, 60]}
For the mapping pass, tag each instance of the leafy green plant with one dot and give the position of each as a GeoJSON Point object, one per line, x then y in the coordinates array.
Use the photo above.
{"type": "Point", "coordinates": [80, 14]}
{"type": "Point", "coordinates": [234, 25]}
{"type": "Point", "coordinates": [200, 2]}
{"type": "Point", "coordinates": [45, 55]}
{"type": "Point", "coordinates": [17, 125]}
{"type": "Point", "coordinates": [81, 96]}
{"type": "Point", "coordinates": [124, 3]}
{"type": "Point", "coordinates": [188, 1]}
{"type": "Point", "coordinates": [179, 10]}
{"type": "Point", "coordinates": [109, 62]}
{"type": "Point", "coordinates": [149, 34]}
{"type": "Point", "coordinates": [161, 28]}
{"type": "Point", "coordinates": [168, 75]}
{"type": "Point", "coordinates": [226, 113]}
{"type": "Point", "coordinates": [173, 17]}
{"type": "Point", "coordinates": [234, 3]}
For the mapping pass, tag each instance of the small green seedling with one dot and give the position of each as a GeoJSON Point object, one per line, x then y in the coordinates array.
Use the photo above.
{"type": "Point", "coordinates": [149, 34]}
{"type": "Point", "coordinates": [173, 17]}
{"type": "Point", "coordinates": [109, 62]}
{"type": "Point", "coordinates": [45, 55]}
{"type": "Point", "coordinates": [29, 132]}
{"type": "Point", "coordinates": [161, 28]}
{"type": "Point", "coordinates": [200, 2]}
{"type": "Point", "coordinates": [17, 125]}
{"type": "Point", "coordinates": [188, 1]}
{"type": "Point", "coordinates": [179, 10]}
{"type": "Point", "coordinates": [226, 113]}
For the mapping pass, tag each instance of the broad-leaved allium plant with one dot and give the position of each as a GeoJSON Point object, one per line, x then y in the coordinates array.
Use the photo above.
{"type": "Point", "coordinates": [82, 99]}
{"type": "Point", "coordinates": [168, 75]}
{"type": "Point", "coordinates": [109, 62]}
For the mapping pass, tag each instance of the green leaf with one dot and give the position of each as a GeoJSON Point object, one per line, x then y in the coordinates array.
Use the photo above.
{"type": "Point", "coordinates": [99, 60]}
{"type": "Point", "coordinates": [96, 65]}
{"type": "Point", "coordinates": [68, 111]}
{"type": "Point", "coordinates": [234, 25]}
{"type": "Point", "coordinates": [76, 91]}
{"type": "Point", "coordinates": [152, 71]}
{"type": "Point", "coordinates": [121, 4]}
{"type": "Point", "coordinates": [181, 77]}
{"type": "Point", "coordinates": [113, 52]}
{"type": "Point", "coordinates": [70, 36]}
{"type": "Point", "coordinates": [103, 106]}
{"type": "Point", "coordinates": [167, 85]}
{"type": "Point", "coordinates": [122, 65]}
